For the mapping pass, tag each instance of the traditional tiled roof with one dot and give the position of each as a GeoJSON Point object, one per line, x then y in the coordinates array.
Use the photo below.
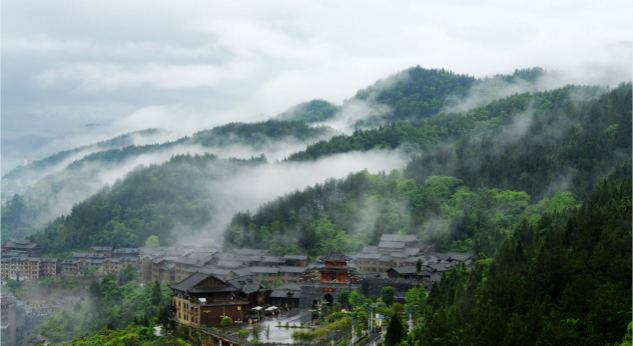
{"type": "Point", "coordinates": [289, 290]}
{"type": "Point", "coordinates": [461, 257]}
{"type": "Point", "coordinates": [20, 244]}
{"type": "Point", "coordinates": [407, 238]}
{"type": "Point", "coordinates": [252, 252]}
{"type": "Point", "coordinates": [370, 249]}
{"type": "Point", "coordinates": [102, 248]}
{"type": "Point", "coordinates": [246, 284]}
{"type": "Point", "coordinates": [335, 257]}
{"type": "Point", "coordinates": [297, 257]}
{"type": "Point", "coordinates": [391, 245]}
{"type": "Point", "coordinates": [291, 269]}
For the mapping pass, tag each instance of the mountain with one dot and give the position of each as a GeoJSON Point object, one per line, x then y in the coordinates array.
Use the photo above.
{"type": "Point", "coordinates": [565, 280]}
{"type": "Point", "coordinates": [95, 167]}
{"type": "Point", "coordinates": [481, 148]}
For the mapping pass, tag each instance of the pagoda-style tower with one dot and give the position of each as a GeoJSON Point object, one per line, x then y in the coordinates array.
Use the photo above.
{"type": "Point", "coordinates": [336, 270]}
{"type": "Point", "coordinates": [321, 285]}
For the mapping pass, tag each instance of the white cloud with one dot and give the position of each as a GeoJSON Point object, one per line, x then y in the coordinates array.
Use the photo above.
{"type": "Point", "coordinates": [242, 59]}
{"type": "Point", "coordinates": [97, 77]}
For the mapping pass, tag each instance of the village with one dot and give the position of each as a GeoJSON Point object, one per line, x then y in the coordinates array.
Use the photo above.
{"type": "Point", "coordinates": [245, 285]}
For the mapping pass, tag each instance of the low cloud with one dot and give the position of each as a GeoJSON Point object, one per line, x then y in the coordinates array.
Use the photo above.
{"type": "Point", "coordinates": [98, 76]}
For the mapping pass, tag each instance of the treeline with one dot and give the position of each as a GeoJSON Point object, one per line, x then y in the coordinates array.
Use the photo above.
{"type": "Point", "coordinates": [148, 201]}
{"type": "Point", "coordinates": [310, 112]}
{"type": "Point", "coordinates": [347, 214]}
{"type": "Point", "coordinates": [533, 142]}
{"type": "Point", "coordinates": [565, 280]}
{"type": "Point", "coordinates": [78, 179]}
{"type": "Point", "coordinates": [416, 93]}
{"type": "Point", "coordinates": [39, 169]}
{"type": "Point", "coordinates": [257, 134]}
{"type": "Point", "coordinates": [446, 127]}
{"type": "Point", "coordinates": [111, 305]}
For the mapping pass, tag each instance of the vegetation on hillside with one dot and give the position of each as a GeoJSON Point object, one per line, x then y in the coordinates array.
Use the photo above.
{"type": "Point", "coordinates": [565, 280]}
{"type": "Point", "coordinates": [111, 304]}
{"type": "Point", "coordinates": [148, 201]}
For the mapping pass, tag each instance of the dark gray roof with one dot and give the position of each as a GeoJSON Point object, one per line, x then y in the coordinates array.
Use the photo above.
{"type": "Point", "coordinates": [190, 281]}
{"type": "Point", "coordinates": [210, 270]}
{"type": "Point", "coordinates": [460, 256]}
{"type": "Point", "coordinates": [440, 267]}
{"type": "Point", "coordinates": [102, 248]}
{"type": "Point", "coordinates": [392, 245]}
{"type": "Point", "coordinates": [370, 249]}
{"type": "Point", "coordinates": [50, 259]}
{"type": "Point", "coordinates": [335, 256]}
{"type": "Point", "coordinates": [291, 269]}
{"type": "Point", "coordinates": [242, 271]}
{"type": "Point", "coordinates": [127, 250]}
{"type": "Point", "coordinates": [252, 252]}
{"type": "Point", "coordinates": [88, 255]}
{"type": "Point", "coordinates": [289, 290]}
{"type": "Point", "coordinates": [404, 270]}
{"type": "Point", "coordinates": [368, 256]}
{"type": "Point", "coordinates": [411, 251]}
{"type": "Point", "coordinates": [264, 270]}
{"type": "Point", "coordinates": [230, 264]}
{"type": "Point", "coordinates": [297, 257]}
{"type": "Point", "coordinates": [407, 238]}
{"type": "Point", "coordinates": [20, 243]}
{"type": "Point", "coordinates": [246, 284]}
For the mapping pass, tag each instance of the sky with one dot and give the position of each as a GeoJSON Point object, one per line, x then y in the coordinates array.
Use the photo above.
{"type": "Point", "coordinates": [76, 72]}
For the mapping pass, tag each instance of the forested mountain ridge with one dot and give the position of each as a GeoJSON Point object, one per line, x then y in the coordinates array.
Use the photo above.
{"type": "Point", "coordinates": [148, 201]}
{"type": "Point", "coordinates": [347, 214]}
{"type": "Point", "coordinates": [514, 150]}
{"type": "Point", "coordinates": [528, 142]}
{"type": "Point", "coordinates": [55, 193]}
{"type": "Point", "coordinates": [38, 169]}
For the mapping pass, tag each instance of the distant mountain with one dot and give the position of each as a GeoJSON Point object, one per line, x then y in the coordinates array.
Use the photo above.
{"type": "Point", "coordinates": [310, 112]}
{"type": "Point", "coordinates": [514, 158]}
{"type": "Point", "coordinates": [59, 188]}
{"type": "Point", "coordinates": [36, 170]}
{"type": "Point", "coordinates": [494, 146]}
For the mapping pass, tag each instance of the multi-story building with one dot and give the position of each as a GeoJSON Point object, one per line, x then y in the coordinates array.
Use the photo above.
{"type": "Point", "coordinates": [8, 320]}
{"type": "Point", "coordinates": [203, 299]}
{"type": "Point", "coordinates": [23, 245]}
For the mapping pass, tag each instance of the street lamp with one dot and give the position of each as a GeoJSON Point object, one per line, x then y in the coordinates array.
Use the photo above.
{"type": "Point", "coordinates": [353, 318]}
{"type": "Point", "coordinates": [332, 334]}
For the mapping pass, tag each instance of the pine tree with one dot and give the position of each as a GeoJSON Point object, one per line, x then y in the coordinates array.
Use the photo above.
{"type": "Point", "coordinates": [395, 331]}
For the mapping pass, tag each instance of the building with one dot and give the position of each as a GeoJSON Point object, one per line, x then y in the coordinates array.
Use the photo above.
{"type": "Point", "coordinates": [321, 285]}
{"type": "Point", "coordinates": [286, 295]}
{"type": "Point", "coordinates": [8, 321]}
{"type": "Point", "coordinates": [204, 299]}
{"type": "Point", "coordinates": [23, 245]}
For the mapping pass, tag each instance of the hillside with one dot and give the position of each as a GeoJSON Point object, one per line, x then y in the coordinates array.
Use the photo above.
{"type": "Point", "coordinates": [56, 191]}
{"type": "Point", "coordinates": [563, 281]}
{"type": "Point", "coordinates": [150, 200]}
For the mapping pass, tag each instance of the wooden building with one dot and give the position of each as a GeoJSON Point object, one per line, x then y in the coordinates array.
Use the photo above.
{"type": "Point", "coordinates": [204, 299]}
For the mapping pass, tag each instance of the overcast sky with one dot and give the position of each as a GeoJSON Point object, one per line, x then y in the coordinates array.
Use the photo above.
{"type": "Point", "coordinates": [75, 72]}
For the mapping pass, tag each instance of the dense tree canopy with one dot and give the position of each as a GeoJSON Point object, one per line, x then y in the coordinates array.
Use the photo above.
{"type": "Point", "coordinates": [563, 281]}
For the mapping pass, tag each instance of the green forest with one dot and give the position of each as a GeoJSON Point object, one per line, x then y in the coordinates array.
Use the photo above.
{"type": "Point", "coordinates": [565, 280]}
{"type": "Point", "coordinates": [536, 185]}
{"type": "Point", "coordinates": [149, 201]}
{"type": "Point", "coordinates": [113, 303]}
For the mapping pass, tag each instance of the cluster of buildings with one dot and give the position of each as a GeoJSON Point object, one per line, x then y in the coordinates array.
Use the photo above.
{"type": "Point", "coordinates": [396, 256]}
{"type": "Point", "coordinates": [22, 259]}
{"type": "Point", "coordinates": [208, 284]}
{"type": "Point", "coordinates": [17, 320]}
